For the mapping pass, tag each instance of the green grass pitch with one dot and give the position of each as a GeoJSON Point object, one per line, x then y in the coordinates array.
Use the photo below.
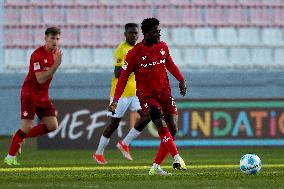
{"type": "Point", "coordinates": [207, 168]}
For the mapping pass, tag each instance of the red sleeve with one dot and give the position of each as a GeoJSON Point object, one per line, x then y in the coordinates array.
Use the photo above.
{"type": "Point", "coordinates": [37, 63]}
{"type": "Point", "coordinates": [170, 65]}
{"type": "Point", "coordinates": [127, 69]}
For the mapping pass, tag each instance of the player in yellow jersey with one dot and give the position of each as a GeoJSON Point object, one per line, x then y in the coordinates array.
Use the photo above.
{"type": "Point", "coordinates": [128, 100]}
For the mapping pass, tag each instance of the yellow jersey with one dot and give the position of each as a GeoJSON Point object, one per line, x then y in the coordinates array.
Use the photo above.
{"type": "Point", "coordinates": [119, 57]}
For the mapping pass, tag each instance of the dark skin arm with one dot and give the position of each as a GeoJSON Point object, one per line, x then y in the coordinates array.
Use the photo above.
{"type": "Point", "coordinates": [117, 71]}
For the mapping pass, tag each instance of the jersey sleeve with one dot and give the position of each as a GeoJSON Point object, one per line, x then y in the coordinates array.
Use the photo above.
{"type": "Point", "coordinates": [127, 68]}
{"type": "Point", "coordinates": [37, 63]}
{"type": "Point", "coordinates": [119, 57]}
{"type": "Point", "coordinates": [170, 65]}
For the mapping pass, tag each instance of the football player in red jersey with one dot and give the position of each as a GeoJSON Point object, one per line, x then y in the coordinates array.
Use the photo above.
{"type": "Point", "coordinates": [44, 62]}
{"type": "Point", "coordinates": [150, 60]}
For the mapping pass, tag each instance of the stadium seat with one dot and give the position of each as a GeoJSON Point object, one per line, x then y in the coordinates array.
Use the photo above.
{"type": "Point", "coordinates": [10, 16]}
{"type": "Point", "coordinates": [41, 2]}
{"type": "Point", "coordinates": [29, 16]}
{"type": "Point", "coordinates": [137, 3]}
{"type": "Point", "coordinates": [176, 54]}
{"type": "Point", "coordinates": [227, 36]}
{"type": "Point", "coordinates": [182, 36]}
{"type": "Point", "coordinates": [166, 15]}
{"type": "Point", "coordinates": [21, 37]}
{"type": "Point", "coordinates": [249, 36]}
{"type": "Point", "coordinates": [262, 56]}
{"type": "Point", "coordinates": [279, 56]}
{"type": "Point", "coordinates": [140, 13]}
{"type": "Point", "coordinates": [273, 3]}
{"type": "Point", "coordinates": [195, 56]}
{"type": "Point", "coordinates": [161, 3]}
{"type": "Point", "coordinates": [69, 37]}
{"type": "Point", "coordinates": [15, 58]}
{"type": "Point", "coordinates": [227, 3]}
{"type": "Point", "coordinates": [122, 15]}
{"type": "Point", "coordinates": [272, 36]}
{"type": "Point", "coordinates": [87, 36]}
{"type": "Point", "coordinates": [192, 16]}
{"type": "Point", "coordinates": [64, 2]}
{"type": "Point", "coordinates": [279, 17]}
{"type": "Point", "coordinates": [49, 15]}
{"type": "Point", "coordinates": [251, 3]}
{"type": "Point", "coordinates": [215, 16]}
{"type": "Point", "coordinates": [180, 2]}
{"type": "Point", "coordinates": [239, 56]}
{"type": "Point", "coordinates": [39, 36]}
{"type": "Point", "coordinates": [112, 36]}
{"type": "Point", "coordinates": [76, 16]}
{"type": "Point", "coordinates": [237, 17]}
{"type": "Point", "coordinates": [103, 58]}
{"type": "Point", "coordinates": [87, 2]}
{"type": "Point", "coordinates": [203, 2]}
{"type": "Point", "coordinates": [217, 56]}
{"type": "Point", "coordinates": [18, 3]}
{"type": "Point", "coordinates": [261, 17]}
{"type": "Point", "coordinates": [204, 36]}
{"type": "Point", "coordinates": [100, 15]}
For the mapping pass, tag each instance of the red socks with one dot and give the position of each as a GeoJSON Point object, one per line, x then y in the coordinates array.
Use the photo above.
{"type": "Point", "coordinates": [19, 136]}
{"type": "Point", "coordinates": [162, 153]}
{"type": "Point", "coordinates": [17, 142]}
{"type": "Point", "coordinates": [167, 145]}
{"type": "Point", "coordinates": [38, 130]}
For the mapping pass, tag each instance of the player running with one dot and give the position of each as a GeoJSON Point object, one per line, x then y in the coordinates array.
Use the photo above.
{"type": "Point", "coordinates": [149, 60]}
{"type": "Point", "coordinates": [128, 100]}
{"type": "Point", "coordinates": [44, 62]}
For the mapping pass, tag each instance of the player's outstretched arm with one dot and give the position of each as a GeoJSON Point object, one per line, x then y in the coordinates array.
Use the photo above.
{"type": "Point", "coordinates": [42, 77]}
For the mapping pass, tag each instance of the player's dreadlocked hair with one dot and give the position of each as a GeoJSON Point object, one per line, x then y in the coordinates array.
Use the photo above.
{"type": "Point", "coordinates": [130, 25]}
{"type": "Point", "coordinates": [148, 24]}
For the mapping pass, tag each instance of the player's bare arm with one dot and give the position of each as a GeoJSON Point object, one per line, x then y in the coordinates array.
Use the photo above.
{"type": "Point", "coordinates": [117, 71]}
{"type": "Point", "coordinates": [42, 77]}
{"type": "Point", "coordinates": [182, 87]}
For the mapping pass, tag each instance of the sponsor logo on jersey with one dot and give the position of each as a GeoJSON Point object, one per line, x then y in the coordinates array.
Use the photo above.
{"type": "Point", "coordinates": [153, 63]}
{"type": "Point", "coordinates": [125, 65]}
{"type": "Point", "coordinates": [162, 52]}
{"type": "Point", "coordinates": [45, 61]}
{"type": "Point", "coordinates": [166, 139]}
{"type": "Point", "coordinates": [144, 57]}
{"type": "Point", "coordinates": [118, 61]}
{"type": "Point", "coordinates": [25, 113]}
{"type": "Point", "coordinates": [36, 66]}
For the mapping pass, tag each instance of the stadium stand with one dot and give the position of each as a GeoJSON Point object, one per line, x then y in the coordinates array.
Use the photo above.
{"type": "Point", "coordinates": [207, 32]}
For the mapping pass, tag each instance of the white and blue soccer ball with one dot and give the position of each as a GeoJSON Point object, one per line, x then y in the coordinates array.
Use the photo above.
{"type": "Point", "coordinates": [250, 164]}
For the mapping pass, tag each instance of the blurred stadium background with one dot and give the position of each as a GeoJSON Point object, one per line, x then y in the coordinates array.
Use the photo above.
{"type": "Point", "coordinates": [227, 49]}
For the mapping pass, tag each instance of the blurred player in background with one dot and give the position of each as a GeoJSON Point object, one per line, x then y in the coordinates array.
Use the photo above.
{"type": "Point", "coordinates": [150, 60]}
{"type": "Point", "coordinates": [128, 100]}
{"type": "Point", "coordinates": [44, 62]}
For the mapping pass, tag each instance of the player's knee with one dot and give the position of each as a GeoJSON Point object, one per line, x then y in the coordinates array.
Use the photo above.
{"type": "Point", "coordinates": [156, 116]}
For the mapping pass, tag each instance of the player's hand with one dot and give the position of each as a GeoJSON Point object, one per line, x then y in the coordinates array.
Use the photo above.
{"type": "Point", "coordinates": [182, 87]}
{"type": "Point", "coordinates": [112, 107]}
{"type": "Point", "coordinates": [57, 56]}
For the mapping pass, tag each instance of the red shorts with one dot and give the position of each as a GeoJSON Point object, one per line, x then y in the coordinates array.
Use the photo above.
{"type": "Point", "coordinates": [164, 101]}
{"type": "Point", "coordinates": [29, 108]}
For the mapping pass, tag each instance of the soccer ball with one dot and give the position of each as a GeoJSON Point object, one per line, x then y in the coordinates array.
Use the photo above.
{"type": "Point", "coordinates": [250, 164]}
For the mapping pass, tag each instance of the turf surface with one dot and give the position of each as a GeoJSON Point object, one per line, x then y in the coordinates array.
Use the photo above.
{"type": "Point", "coordinates": [207, 168]}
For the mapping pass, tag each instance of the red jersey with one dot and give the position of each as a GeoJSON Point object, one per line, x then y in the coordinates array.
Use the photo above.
{"type": "Point", "coordinates": [41, 60]}
{"type": "Point", "coordinates": [150, 65]}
